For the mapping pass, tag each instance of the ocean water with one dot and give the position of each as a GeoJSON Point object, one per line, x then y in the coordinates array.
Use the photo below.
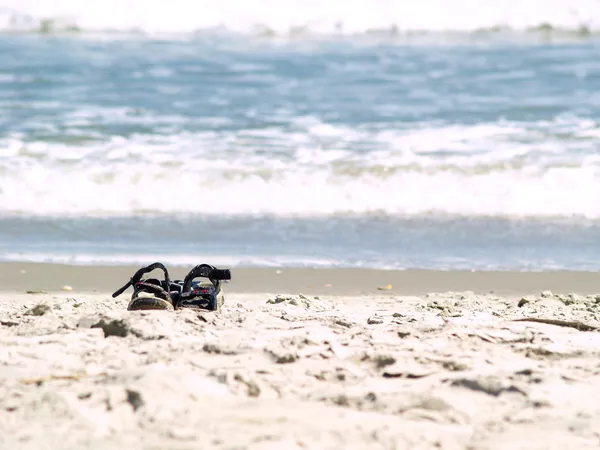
{"type": "Point", "coordinates": [353, 134]}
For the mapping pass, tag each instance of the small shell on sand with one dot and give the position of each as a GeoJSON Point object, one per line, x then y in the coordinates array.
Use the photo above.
{"type": "Point", "coordinates": [67, 288]}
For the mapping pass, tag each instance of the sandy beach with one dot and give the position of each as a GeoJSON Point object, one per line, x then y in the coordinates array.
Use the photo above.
{"type": "Point", "coordinates": [304, 358]}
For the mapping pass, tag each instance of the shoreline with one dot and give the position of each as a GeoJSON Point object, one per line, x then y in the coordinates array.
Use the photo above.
{"type": "Point", "coordinates": [17, 276]}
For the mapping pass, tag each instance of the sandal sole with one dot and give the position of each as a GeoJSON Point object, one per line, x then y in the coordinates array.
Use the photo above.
{"type": "Point", "coordinates": [149, 303]}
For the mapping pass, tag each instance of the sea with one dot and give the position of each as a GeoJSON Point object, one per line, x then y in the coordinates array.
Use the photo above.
{"type": "Point", "coordinates": [361, 133]}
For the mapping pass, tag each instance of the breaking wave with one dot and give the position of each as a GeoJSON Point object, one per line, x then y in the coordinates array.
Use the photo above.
{"type": "Point", "coordinates": [533, 169]}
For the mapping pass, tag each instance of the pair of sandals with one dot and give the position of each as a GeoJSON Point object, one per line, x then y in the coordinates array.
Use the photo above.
{"type": "Point", "coordinates": [153, 293]}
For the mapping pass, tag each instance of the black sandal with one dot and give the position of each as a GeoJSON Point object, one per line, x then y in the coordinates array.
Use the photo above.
{"type": "Point", "coordinates": [149, 293]}
{"type": "Point", "coordinates": [202, 294]}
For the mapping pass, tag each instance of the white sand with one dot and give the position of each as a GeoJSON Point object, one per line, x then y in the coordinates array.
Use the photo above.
{"type": "Point", "coordinates": [448, 371]}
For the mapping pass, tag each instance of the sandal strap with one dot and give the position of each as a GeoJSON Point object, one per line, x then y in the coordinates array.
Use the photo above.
{"type": "Point", "coordinates": [206, 271]}
{"type": "Point", "coordinates": [136, 278]}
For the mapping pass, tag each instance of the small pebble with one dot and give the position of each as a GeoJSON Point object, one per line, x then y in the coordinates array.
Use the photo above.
{"type": "Point", "coordinates": [67, 288]}
{"type": "Point", "coordinates": [38, 310]}
{"type": "Point", "coordinates": [374, 320]}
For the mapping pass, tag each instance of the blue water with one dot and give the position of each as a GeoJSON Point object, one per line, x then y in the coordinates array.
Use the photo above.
{"type": "Point", "coordinates": [476, 154]}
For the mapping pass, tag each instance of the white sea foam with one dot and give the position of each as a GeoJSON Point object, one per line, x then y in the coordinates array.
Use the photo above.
{"type": "Point", "coordinates": [285, 16]}
{"type": "Point", "coordinates": [314, 169]}
{"type": "Point", "coordinates": [295, 260]}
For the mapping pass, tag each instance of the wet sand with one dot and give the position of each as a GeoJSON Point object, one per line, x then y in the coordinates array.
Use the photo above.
{"type": "Point", "coordinates": [51, 277]}
{"type": "Point", "coordinates": [342, 366]}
